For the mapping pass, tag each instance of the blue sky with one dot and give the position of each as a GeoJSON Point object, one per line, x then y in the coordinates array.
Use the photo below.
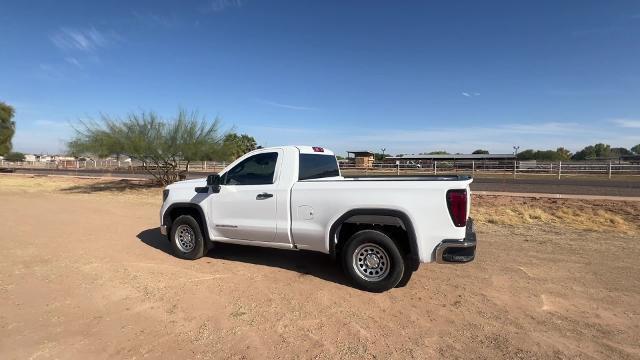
{"type": "Point", "coordinates": [409, 76]}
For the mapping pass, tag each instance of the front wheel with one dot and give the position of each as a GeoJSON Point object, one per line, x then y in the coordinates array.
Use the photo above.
{"type": "Point", "coordinates": [373, 261]}
{"type": "Point", "coordinates": [186, 238]}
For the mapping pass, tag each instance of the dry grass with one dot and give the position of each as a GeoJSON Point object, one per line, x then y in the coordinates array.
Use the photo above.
{"type": "Point", "coordinates": [122, 189]}
{"type": "Point", "coordinates": [577, 214]}
{"type": "Point", "coordinates": [20, 183]}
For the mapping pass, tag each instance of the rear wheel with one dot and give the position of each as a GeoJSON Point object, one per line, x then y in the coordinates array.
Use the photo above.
{"type": "Point", "coordinates": [372, 261]}
{"type": "Point", "coordinates": [186, 238]}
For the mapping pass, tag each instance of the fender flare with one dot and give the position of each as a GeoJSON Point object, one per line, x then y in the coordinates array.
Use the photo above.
{"type": "Point", "coordinates": [166, 217]}
{"type": "Point", "coordinates": [413, 257]}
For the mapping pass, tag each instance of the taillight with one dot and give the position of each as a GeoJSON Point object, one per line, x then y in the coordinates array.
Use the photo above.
{"type": "Point", "coordinates": [457, 204]}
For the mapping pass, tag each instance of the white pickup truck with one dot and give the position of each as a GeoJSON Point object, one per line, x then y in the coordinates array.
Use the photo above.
{"type": "Point", "coordinates": [294, 197]}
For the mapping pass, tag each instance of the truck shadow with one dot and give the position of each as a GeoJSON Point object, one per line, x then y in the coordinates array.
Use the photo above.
{"type": "Point", "coordinates": [305, 263]}
{"type": "Point", "coordinates": [121, 185]}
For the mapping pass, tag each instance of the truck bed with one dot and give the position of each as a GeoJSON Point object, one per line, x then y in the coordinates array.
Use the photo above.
{"type": "Point", "coordinates": [397, 178]}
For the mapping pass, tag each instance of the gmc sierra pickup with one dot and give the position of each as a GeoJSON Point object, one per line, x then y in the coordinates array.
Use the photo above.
{"type": "Point", "coordinates": [294, 197]}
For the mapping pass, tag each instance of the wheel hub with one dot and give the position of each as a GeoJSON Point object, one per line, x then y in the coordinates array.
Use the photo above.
{"type": "Point", "coordinates": [185, 238]}
{"type": "Point", "coordinates": [371, 262]}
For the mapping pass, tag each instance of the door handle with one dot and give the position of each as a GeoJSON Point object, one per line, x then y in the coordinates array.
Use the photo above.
{"type": "Point", "coordinates": [263, 196]}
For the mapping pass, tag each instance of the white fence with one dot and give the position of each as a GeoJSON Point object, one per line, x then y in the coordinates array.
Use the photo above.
{"type": "Point", "coordinates": [515, 168]}
{"type": "Point", "coordinates": [109, 164]}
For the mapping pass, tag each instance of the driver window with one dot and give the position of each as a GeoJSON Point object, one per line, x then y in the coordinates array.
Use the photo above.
{"type": "Point", "coordinates": [255, 170]}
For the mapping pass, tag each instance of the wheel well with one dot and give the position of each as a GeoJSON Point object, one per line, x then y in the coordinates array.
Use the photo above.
{"type": "Point", "coordinates": [174, 212]}
{"type": "Point", "coordinates": [394, 224]}
{"type": "Point", "coordinates": [396, 233]}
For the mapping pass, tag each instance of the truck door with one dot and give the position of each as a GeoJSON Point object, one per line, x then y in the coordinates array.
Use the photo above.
{"type": "Point", "coordinates": [245, 207]}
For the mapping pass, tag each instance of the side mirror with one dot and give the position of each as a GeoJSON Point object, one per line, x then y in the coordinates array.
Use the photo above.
{"type": "Point", "coordinates": [214, 182]}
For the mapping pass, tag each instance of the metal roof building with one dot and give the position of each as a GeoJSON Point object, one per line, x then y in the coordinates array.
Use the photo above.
{"type": "Point", "coordinates": [450, 157]}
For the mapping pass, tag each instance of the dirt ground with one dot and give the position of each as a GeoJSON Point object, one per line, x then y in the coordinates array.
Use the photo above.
{"type": "Point", "coordinates": [86, 274]}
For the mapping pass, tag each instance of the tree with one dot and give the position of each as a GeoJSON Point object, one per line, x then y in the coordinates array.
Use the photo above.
{"type": "Point", "coordinates": [636, 149]}
{"type": "Point", "coordinates": [542, 155]}
{"type": "Point", "coordinates": [564, 153]}
{"type": "Point", "coordinates": [237, 145]}
{"type": "Point", "coordinates": [547, 155]}
{"type": "Point", "coordinates": [620, 151]}
{"type": "Point", "coordinates": [528, 154]}
{"type": "Point", "coordinates": [439, 152]}
{"type": "Point", "coordinates": [7, 128]}
{"type": "Point", "coordinates": [159, 144]}
{"type": "Point", "coordinates": [599, 150]}
{"type": "Point", "coordinates": [14, 156]}
{"type": "Point", "coordinates": [480, 151]}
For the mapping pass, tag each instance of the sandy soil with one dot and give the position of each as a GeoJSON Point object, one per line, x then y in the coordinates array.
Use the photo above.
{"type": "Point", "coordinates": [86, 274]}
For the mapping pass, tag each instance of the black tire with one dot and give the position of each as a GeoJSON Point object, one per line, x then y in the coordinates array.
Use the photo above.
{"type": "Point", "coordinates": [405, 278]}
{"type": "Point", "coordinates": [380, 269]}
{"type": "Point", "coordinates": [188, 226]}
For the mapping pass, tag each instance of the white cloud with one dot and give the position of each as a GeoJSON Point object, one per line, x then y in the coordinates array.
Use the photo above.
{"type": "Point", "coordinates": [86, 40]}
{"type": "Point", "coordinates": [73, 61]}
{"type": "Point", "coordinates": [470, 94]}
{"type": "Point", "coordinates": [627, 123]}
{"type": "Point", "coordinates": [50, 72]}
{"type": "Point", "coordinates": [153, 20]}
{"type": "Point", "coordinates": [221, 5]}
{"type": "Point", "coordinates": [285, 106]}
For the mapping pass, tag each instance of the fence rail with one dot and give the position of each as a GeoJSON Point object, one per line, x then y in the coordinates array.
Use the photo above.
{"type": "Point", "coordinates": [131, 166]}
{"type": "Point", "coordinates": [515, 168]}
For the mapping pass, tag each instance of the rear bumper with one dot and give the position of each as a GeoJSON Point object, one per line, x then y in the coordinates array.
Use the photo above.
{"type": "Point", "coordinates": [458, 251]}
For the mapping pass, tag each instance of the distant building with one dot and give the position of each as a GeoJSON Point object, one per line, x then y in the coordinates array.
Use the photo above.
{"type": "Point", "coordinates": [633, 159]}
{"type": "Point", "coordinates": [58, 158]}
{"type": "Point", "coordinates": [426, 158]}
{"type": "Point", "coordinates": [362, 158]}
{"type": "Point", "coordinates": [455, 161]}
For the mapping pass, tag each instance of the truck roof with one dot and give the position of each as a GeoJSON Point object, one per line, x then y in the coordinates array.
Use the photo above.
{"type": "Point", "coordinates": [306, 149]}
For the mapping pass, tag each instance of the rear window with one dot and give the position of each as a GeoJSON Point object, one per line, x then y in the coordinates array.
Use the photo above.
{"type": "Point", "coordinates": [314, 166]}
